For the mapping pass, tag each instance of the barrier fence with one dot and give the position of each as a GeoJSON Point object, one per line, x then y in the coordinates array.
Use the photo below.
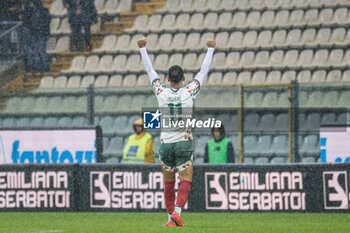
{"type": "Point", "coordinates": [216, 188]}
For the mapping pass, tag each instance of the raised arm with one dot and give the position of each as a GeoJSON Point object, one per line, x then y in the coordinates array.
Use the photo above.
{"type": "Point", "coordinates": [152, 75]}
{"type": "Point", "coordinates": [206, 63]}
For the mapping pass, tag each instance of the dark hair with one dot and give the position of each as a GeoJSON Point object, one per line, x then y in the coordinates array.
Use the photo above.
{"type": "Point", "coordinates": [175, 73]}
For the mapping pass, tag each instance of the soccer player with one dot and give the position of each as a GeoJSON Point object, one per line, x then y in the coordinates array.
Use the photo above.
{"type": "Point", "coordinates": [176, 152]}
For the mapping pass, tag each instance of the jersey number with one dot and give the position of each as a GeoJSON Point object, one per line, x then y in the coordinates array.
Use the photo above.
{"type": "Point", "coordinates": [172, 107]}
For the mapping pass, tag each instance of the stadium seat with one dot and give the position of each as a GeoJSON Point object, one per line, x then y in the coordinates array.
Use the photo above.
{"type": "Point", "coordinates": [153, 23]}
{"type": "Point", "coordinates": [40, 105]}
{"type": "Point", "coordinates": [251, 122]}
{"type": "Point", "coordinates": [9, 122]}
{"type": "Point", "coordinates": [279, 37]}
{"type": "Point", "coordinates": [57, 8]}
{"type": "Point", "coordinates": [266, 123]}
{"type": "Point", "coordinates": [214, 78]}
{"type": "Point", "coordinates": [91, 64]}
{"type": "Point", "coordinates": [293, 37]}
{"type": "Point", "coordinates": [182, 22]}
{"type": "Point", "coordinates": [276, 58]}
{"type": "Point", "coordinates": [143, 80]}
{"type": "Point", "coordinates": [267, 18]}
{"type": "Point", "coordinates": [134, 63]}
{"type": "Point", "coordinates": [224, 21]}
{"type": "Point", "coordinates": [270, 99]}
{"type": "Point", "coordinates": [222, 39]}
{"type": "Point", "coordinates": [64, 122]}
{"type": "Point", "coordinates": [74, 82]}
{"type": "Point", "coordinates": [124, 5]}
{"type": "Point", "coordinates": [62, 45]}
{"type": "Point", "coordinates": [99, 4]}
{"type": "Point", "coordinates": [304, 76]}
{"type": "Point", "coordinates": [238, 19]}
{"type": "Point", "coordinates": [164, 42]}
{"type": "Point", "coordinates": [54, 25]}
{"type": "Point", "coordinates": [280, 145]}
{"type": "Point", "coordinates": [282, 18]}
{"type": "Point", "coordinates": [330, 99]}
{"type": "Point", "coordinates": [308, 160]}
{"type": "Point", "coordinates": [264, 39]}
{"type": "Point", "coordinates": [115, 81]}
{"type": "Point", "coordinates": [101, 81]}
{"type": "Point", "coordinates": [335, 57]}
{"type": "Point", "coordinates": [36, 122]}
{"type": "Point", "coordinates": [60, 82]}
{"type": "Point", "coordinates": [129, 80]}
{"type": "Point", "coordinates": [288, 76]}
{"type": "Point", "coordinates": [229, 78]}
{"type": "Point", "coordinates": [211, 21]}
{"type": "Point", "coordinates": [279, 160]}
{"type": "Point", "coordinates": [338, 36]}
{"type": "Point", "coordinates": [244, 77]}
{"type": "Point", "coordinates": [112, 160]}
{"type": "Point", "coordinates": [178, 42]}
{"type": "Point", "coordinates": [107, 124]}
{"type": "Point", "coordinates": [227, 5]}
{"type": "Point", "coordinates": [77, 65]}
{"type": "Point", "coordinates": [121, 124]}
{"type": "Point", "coordinates": [170, 5]}
{"type": "Point", "coordinates": [108, 44]}
{"type": "Point", "coordinates": [110, 7]}
{"type": "Point", "coordinates": [186, 5]}
{"type": "Point", "coordinates": [54, 104]}
{"type": "Point", "coordinates": [105, 63]}
{"type": "Point", "coordinates": [51, 122]}
{"type": "Point", "coordinates": [235, 40]}
{"type": "Point", "coordinates": [296, 18]}
{"type": "Point", "coordinates": [124, 104]}
{"type": "Point", "coordinates": [87, 81]}
{"type": "Point", "coordinates": [273, 77]}
{"type": "Point", "coordinates": [261, 160]}
{"type": "Point", "coordinates": [250, 145]}
{"type": "Point", "coordinates": [46, 82]}
{"type": "Point", "coordinates": [68, 105]}
{"type": "Point", "coordinates": [115, 146]}
{"type": "Point", "coordinates": [51, 44]}
{"type": "Point", "coordinates": [232, 60]}
{"type": "Point", "coordinates": [64, 27]}
{"type": "Point", "coordinates": [253, 19]}
{"type": "Point", "coordinates": [23, 122]}
{"type": "Point", "coordinates": [79, 122]}
{"type": "Point", "coordinates": [264, 145]}
{"type": "Point", "coordinates": [168, 22]}
{"type": "Point", "coordinates": [258, 77]}
{"type": "Point", "coordinates": [140, 24]}
{"type": "Point", "coordinates": [311, 17]}
{"type": "Point", "coordinates": [122, 44]}
{"type": "Point", "coordinates": [344, 99]}
{"type": "Point", "coordinates": [249, 39]}
{"type": "Point", "coordinates": [248, 160]}
{"type": "Point", "coordinates": [310, 145]}
{"type": "Point", "coordinates": [328, 118]}
{"type": "Point", "coordinates": [253, 99]}
{"type": "Point", "coordinates": [119, 63]}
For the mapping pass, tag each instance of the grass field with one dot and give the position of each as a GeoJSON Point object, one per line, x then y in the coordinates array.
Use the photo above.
{"type": "Point", "coordinates": [194, 222]}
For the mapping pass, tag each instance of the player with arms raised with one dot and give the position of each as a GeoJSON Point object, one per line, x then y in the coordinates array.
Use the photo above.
{"type": "Point", "coordinates": [176, 152]}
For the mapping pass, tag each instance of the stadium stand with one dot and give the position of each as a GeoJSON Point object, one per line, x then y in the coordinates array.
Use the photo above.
{"type": "Point", "coordinates": [266, 43]}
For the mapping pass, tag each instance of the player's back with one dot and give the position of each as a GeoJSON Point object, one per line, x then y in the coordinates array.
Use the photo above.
{"type": "Point", "coordinates": [176, 107]}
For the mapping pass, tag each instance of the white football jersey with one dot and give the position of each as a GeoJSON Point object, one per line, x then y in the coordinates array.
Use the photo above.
{"type": "Point", "coordinates": [175, 105]}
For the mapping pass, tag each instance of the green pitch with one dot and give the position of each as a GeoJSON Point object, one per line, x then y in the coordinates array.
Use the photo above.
{"type": "Point", "coordinates": [194, 222]}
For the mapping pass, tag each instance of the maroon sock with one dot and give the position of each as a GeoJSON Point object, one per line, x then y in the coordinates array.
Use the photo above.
{"type": "Point", "coordinates": [182, 194]}
{"type": "Point", "coordinates": [169, 195]}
